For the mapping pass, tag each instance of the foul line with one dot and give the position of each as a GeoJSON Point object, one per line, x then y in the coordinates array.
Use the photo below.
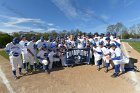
{"type": "Point", "coordinates": [133, 74]}
{"type": "Point", "coordinates": [130, 46]}
{"type": "Point", "coordinates": [5, 81]}
{"type": "Point", "coordinates": [125, 50]}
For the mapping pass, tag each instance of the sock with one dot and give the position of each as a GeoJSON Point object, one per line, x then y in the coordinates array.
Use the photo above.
{"type": "Point", "coordinates": [14, 72]}
{"type": "Point", "coordinates": [116, 69]}
{"type": "Point", "coordinates": [24, 66]}
{"type": "Point", "coordinates": [20, 70]}
{"type": "Point", "coordinates": [27, 65]}
{"type": "Point", "coordinates": [98, 63]}
{"type": "Point", "coordinates": [45, 67]}
{"type": "Point", "coordinates": [40, 65]}
{"type": "Point", "coordinates": [35, 65]}
{"type": "Point", "coordinates": [107, 65]}
{"type": "Point", "coordinates": [31, 67]}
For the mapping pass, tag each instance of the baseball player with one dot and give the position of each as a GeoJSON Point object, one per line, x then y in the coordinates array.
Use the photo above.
{"type": "Point", "coordinates": [31, 48]}
{"type": "Point", "coordinates": [41, 42]}
{"type": "Point", "coordinates": [24, 52]}
{"type": "Point", "coordinates": [115, 39]}
{"type": "Point", "coordinates": [13, 49]}
{"type": "Point", "coordinates": [89, 43]}
{"type": "Point", "coordinates": [43, 58]}
{"type": "Point", "coordinates": [117, 58]}
{"type": "Point", "coordinates": [71, 43]}
{"type": "Point", "coordinates": [101, 38]}
{"type": "Point", "coordinates": [62, 48]}
{"type": "Point", "coordinates": [105, 55]}
{"type": "Point", "coordinates": [97, 56]}
{"type": "Point", "coordinates": [108, 34]}
{"type": "Point", "coordinates": [96, 38]}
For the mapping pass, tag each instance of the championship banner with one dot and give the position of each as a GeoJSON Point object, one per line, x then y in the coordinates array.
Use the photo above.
{"type": "Point", "coordinates": [77, 56]}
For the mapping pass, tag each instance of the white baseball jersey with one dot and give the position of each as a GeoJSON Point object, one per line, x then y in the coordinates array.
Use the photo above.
{"type": "Point", "coordinates": [97, 55]}
{"type": "Point", "coordinates": [32, 47]}
{"type": "Point", "coordinates": [105, 50]}
{"type": "Point", "coordinates": [24, 46]}
{"type": "Point", "coordinates": [42, 54]}
{"type": "Point", "coordinates": [80, 44]}
{"type": "Point", "coordinates": [39, 43]}
{"type": "Point", "coordinates": [91, 40]}
{"type": "Point", "coordinates": [13, 49]}
{"type": "Point", "coordinates": [71, 43]}
{"type": "Point", "coordinates": [118, 52]}
{"type": "Point", "coordinates": [112, 53]}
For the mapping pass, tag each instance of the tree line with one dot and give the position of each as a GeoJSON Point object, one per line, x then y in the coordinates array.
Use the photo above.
{"type": "Point", "coordinates": [123, 31]}
{"type": "Point", "coordinates": [6, 38]}
{"type": "Point", "coordinates": [119, 28]}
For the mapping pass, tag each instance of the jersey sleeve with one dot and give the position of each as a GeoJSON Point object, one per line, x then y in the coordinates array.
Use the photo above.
{"type": "Point", "coordinates": [7, 48]}
{"type": "Point", "coordinates": [39, 54]}
{"type": "Point", "coordinates": [28, 45]}
{"type": "Point", "coordinates": [118, 52]}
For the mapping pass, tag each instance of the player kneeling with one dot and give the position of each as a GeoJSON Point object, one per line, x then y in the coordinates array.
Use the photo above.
{"type": "Point", "coordinates": [43, 58]}
{"type": "Point", "coordinates": [119, 60]}
{"type": "Point", "coordinates": [14, 51]}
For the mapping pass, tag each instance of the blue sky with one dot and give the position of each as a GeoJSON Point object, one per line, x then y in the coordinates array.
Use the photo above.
{"type": "Point", "coordinates": [86, 15]}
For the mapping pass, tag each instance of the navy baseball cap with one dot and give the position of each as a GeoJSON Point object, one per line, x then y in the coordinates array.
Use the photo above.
{"type": "Point", "coordinates": [44, 46]}
{"type": "Point", "coordinates": [42, 37]}
{"type": "Point", "coordinates": [94, 44]}
{"type": "Point", "coordinates": [33, 38]}
{"type": "Point", "coordinates": [107, 38]}
{"type": "Point", "coordinates": [107, 44]}
{"type": "Point", "coordinates": [101, 43]}
{"type": "Point", "coordinates": [107, 33]}
{"type": "Point", "coordinates": [22, 36]}
{"type": "Point", "coordinates": [88, 34]}
{"type": "Point", "coordinates": [15, 40]}
{"type": "Point", "coordinates": [114, 33]}
{"type": "Point", "coordinates": [113, 45]}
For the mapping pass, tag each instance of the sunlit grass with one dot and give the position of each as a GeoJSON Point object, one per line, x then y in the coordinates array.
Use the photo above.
{"type": "Point", "coordinates": [135, 45]}
{"type": "Point", "coordinates": [3, 53]}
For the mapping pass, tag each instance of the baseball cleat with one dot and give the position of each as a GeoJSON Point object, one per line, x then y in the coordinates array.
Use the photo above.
{"type": "Point", "coordinates": [106, 70]}
{"type": "Point", "coordinates": [15, 77]}
{"type": "Point", "coordinates": [98, 69]}
{"type": "Point", "coordinates": [114, 75]}
{"type": "Point", "coordinates": [21, 74]}
{"type": "Point", "coordinates": [47, 72]}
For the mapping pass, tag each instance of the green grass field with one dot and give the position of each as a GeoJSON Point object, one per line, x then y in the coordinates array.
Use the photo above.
{"type": "Point", "coordinates": [3, 53]}
{"type": "Point", "coordinates": [135, 45]}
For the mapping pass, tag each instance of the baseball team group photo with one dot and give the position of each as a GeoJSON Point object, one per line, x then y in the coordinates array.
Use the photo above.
{"type": "Point", "coordinates": [69, 46]}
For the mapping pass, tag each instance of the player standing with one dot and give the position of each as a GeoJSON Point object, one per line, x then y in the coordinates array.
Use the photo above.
{"type": "Point", "coordinates": [24, 52]}
{"type": "Point", "coordinates": [31, 48]}
{"type": "Point", "coordinates": [13, 49]}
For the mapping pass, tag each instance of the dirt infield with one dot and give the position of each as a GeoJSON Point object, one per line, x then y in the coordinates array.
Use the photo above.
{"type": "Point", "coordinates": [3, 88]}
{"type": "Point", "coordinates": [79, 79]}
